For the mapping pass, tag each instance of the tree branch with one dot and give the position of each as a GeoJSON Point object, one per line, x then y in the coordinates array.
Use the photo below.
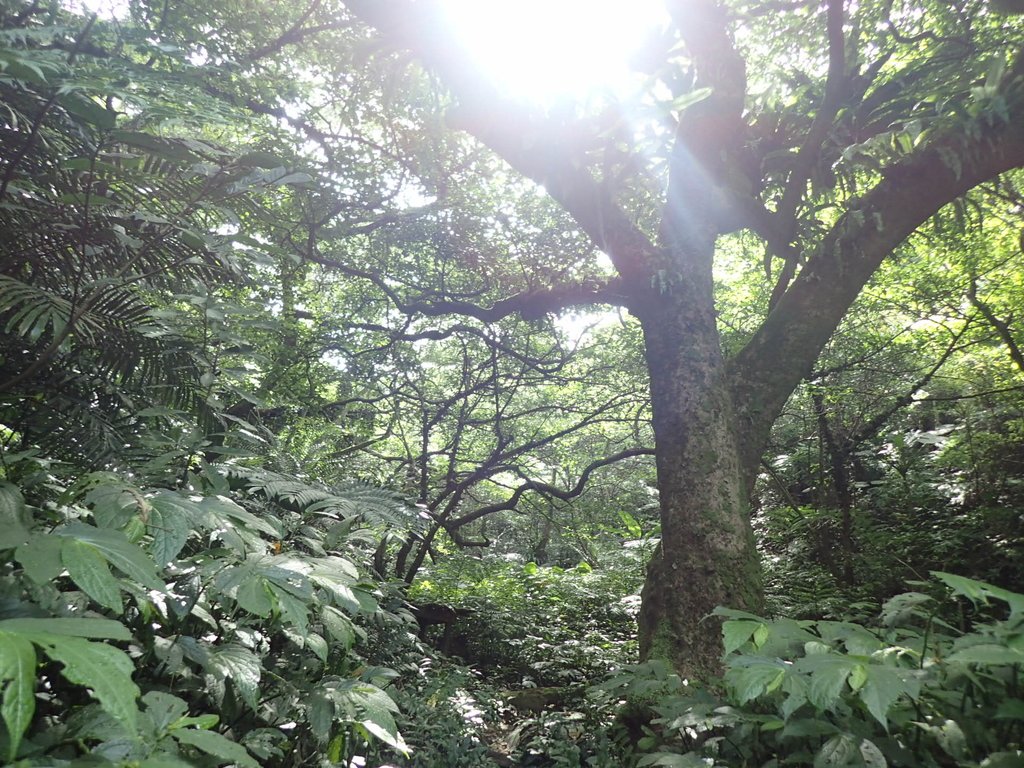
{"type": "Point", "coordinates": [910, 192]}
{"type": "Point", "coordinates": [546, 489]}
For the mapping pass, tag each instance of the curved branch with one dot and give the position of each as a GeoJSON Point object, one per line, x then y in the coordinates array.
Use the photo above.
{"type": "Point", "coordinates": [546, 489]}
{"type": "Point", "coordinates": [530, 305]}
{"type": "Point", "coordinates": [844, 260]}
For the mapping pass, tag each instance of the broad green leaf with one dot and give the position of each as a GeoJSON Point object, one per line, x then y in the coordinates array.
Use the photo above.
{"type": "Point", "coordinates": [18, 675]}
{"type": "Point", "coordinates": [980, 591]}
{"type": "Point", "coordinates": [952, 740]}
{"type": "Point", "coordinates": [206, 722]}
{"type": "Point", "coordinates": [165, 761]}
{"type": "Point", "coordinates": [828, 678]}
{"type": "Point", "coordinates": [112, 504]}
{"type": "Point", "coordinates": [12, 506]}
{"type": "Point", "coordinates": [253, 595]}
{"type": "Point", "coordinates": [241, 666]}
{"type": "Point", "coordinates": [317, 645]}
{"type": "Point", "coordinates": [872, 755]}
{"type": "Point", "coordinates": [212, 743]}
{"type": "Point", "coordinates": [386, 730]}
{"type": "Point", "coordinates": [320, 715]}
{"type": "Point", "coordinates": [754, 677]}
{"type": "Point", "coordinates": [883, 687]}
{"type": "Point", "coordinates": [170, 530]}
{"type": "Point", "coordinates": [338, 626]}
{"type": "Point", "coordinates": [119, 552]}
{"type": "Point", "coordinates": [672, 760]}
{"type": "Point", "coordinates": [100, 629]}
{"type": "Point", "coordinates": [841, 750]}
{"type": "Point", "coordinates": [293, 610]}
{"type": "Point", "coordinates": [1010, 709]}
{"type": "Point", "coordinates": [736, 633]}
{"type": "Point", "coordinates": [13, 536]}
{"type": "Point", "coordinates": [987, 653]}
{"type": "Point", "coordinates": [164, 709]}
{"type": "Point", "coordinates": [103, 668]}
{"type": "Point", "coordinates": [225, 507]}
{"type": "Point", "coordinates": [88, 569]}
{"type": "Point", "coordinates": [40, 557]}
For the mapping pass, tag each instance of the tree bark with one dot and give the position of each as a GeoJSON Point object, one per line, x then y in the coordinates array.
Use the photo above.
{"type": "Point", "coordinates": [707, 555]}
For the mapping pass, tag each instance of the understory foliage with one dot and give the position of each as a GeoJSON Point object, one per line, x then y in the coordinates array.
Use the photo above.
{"type": "Point", "coordinates": [933, 680]}
{"type": "Point", "coordinates": [212, 623]}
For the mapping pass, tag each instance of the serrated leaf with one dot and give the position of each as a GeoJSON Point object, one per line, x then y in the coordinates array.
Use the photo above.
{"type": "Point", "coordinates": [293, 611]}
{"type": "Point", "coordinates": [88, 569]}
{"type": "Point", "coordinates": [754, 677]}
{"type": "Point", "coordinates": [841, 750]}
{"type": "Point", "coordinates": [320, 715]}
{"type": "Point", "coordinates": [241, 666]}
{"type": "Point", "coordinates": [828, 678]}
{"type": "Point", "coordinates": [103, 668]}
{"type": "Point", "coordinates": [18, 674]}
{"type": "Point", "coordinates": [213, 743]}
{"type": "Point", "coordinates": [253, 595]}
{"type": "Point", "coordinates": [883, 687]}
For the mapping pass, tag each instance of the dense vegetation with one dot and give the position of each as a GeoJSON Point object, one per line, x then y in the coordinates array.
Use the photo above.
{"type": "Point", "coordinates": [351, 415]}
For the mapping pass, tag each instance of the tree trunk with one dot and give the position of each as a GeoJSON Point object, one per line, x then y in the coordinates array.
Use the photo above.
{"type": "Point", "coordinates": [707, 555]}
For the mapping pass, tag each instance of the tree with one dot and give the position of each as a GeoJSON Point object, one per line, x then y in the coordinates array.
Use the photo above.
{"type": "Point", "coordinates": [851, 136]}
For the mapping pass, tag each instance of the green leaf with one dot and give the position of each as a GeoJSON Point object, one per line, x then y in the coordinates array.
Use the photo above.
{"type": "Point", "coordinates": [253, 595]}
{"type": "Point", "coordinates": [751, 677]}
{"type": "Point", "coordinates": [172, 519]}
{"type": "Point", "coordinates": [99, 629]}
{"type": "Point", "coordinates": [841, 750]}
{"type": "Point", "coordinates": [40, 557]}
{"type": "Point", "coordinates": [338, 626]}
{"type": "Point", "coordinates": [319, 715]}
{"type": "Point", "coordinates": [84, 107]}
{"type": "Point", "coordinates": [987, 653]}
{"type": "Point", "coordinates": [103, 668]}
{"type": "Point", "coordinates": [828, 678]}
{"type": "Point", "coordinates": [293, 610]}
{"type": "Point", "coordinates": [883, 687]}
{"type": "Point", "coordinates": [241, 666]}
{"type": "Point", "coordinates": [88, 569]}
{"type": "Point", "coordinates": [119, 552]}
{"type": "Point", "coordinates": [18, 673]}
{"type": "Point", "coordinates": [164, 709]}
{"type": "Point", "coordinates": [12, 506]}
{"type": "Point", "coordinates": [980, 591]}
{"type": "Point", "coordinates": [225, 507]}
{"type": "Point", "coordinates": [212, 743]}
{"type": "Point", "coordinates": [736, 633]}
{"type": "Point", "coordinates": [13, 536]}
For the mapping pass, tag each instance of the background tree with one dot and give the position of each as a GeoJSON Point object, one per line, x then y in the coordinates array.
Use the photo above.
{"type": "Point", "coordinates": [848, 140]}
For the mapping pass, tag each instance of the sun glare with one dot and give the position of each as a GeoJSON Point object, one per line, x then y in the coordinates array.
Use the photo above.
{"type": "Point", "coordinates": [542, 50]}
